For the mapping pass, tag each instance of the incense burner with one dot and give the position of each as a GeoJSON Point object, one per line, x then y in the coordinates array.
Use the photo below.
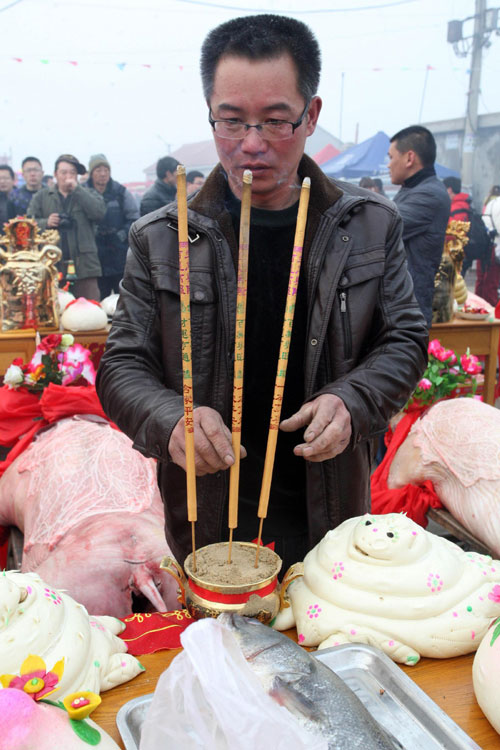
{"type": "Point", "coordinates": [253, 594]}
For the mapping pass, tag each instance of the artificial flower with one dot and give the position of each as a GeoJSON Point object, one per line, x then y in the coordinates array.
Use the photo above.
{"type": "Point", "coordinates": [67, 340]}
{"type": "Point", "coordinates": [14, 376]}
{"type": "Point", "coordinates": [50, 342]}
{"type": "Point", "coordinates": [34, 678]}
{"type": "Point", "coordinates": [470, 363]}
{"type": "Point", "coordinates": [57, 359]}
{"type": "Point", "coordinates": [445, 376]}
{"type": "Point", "coordinates": [424, 384]}
{"type": "Point", "coordinates": [79, 705]}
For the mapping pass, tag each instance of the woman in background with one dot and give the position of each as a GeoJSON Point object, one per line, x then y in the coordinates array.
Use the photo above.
{"type": "Point", "coordinates": [488, 278]}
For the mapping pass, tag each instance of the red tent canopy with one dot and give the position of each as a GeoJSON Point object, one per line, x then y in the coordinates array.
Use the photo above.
{"type": "Point", "coordinates": [326, 153]}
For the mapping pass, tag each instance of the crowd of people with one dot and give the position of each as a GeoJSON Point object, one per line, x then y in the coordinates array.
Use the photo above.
{"type": "Point", "coordinates": [91, 211]}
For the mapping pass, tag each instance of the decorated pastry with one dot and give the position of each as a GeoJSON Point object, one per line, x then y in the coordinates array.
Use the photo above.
{"type": "Point", "coordinates": [486, 674]}
{"type": "Point", "coordinates": [36, 619]}
{"type": "Point", "coordinates": [27, 723]}
{"type": "Point", "coordinates": [84, 315]}
{"type": "Point", "coordinates": [385, 581]}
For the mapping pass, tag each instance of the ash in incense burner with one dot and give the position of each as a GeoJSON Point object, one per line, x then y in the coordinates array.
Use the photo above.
{"type": "Point", "coordinates": [239, 587]}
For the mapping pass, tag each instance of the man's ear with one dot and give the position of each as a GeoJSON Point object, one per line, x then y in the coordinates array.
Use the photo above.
{"type": "Point", "coordinates": [313, 114]}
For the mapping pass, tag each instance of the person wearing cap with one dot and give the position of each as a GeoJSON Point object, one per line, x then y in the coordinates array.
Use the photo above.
{"type": "Point", "coordinates": [112, 231]}
{"type": "Point", "coordinates": [74, 211]}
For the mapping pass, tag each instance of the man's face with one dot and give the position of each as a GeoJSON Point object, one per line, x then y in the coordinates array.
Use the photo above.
{"type": "Point", "coordinates": [194, 185]}
{"type": "Point", "coordinates": [101, 175]}
{"type": "Point", "coordinates": [253, 92]}
{"type": "Point", "coordinates": [33, 173]}
{"type": "Point", "coordinates": [65, 172]}
{"type": "Point", "coordinates": [6, 181]}
{"type": "Point", "coordinates": [400, 164]}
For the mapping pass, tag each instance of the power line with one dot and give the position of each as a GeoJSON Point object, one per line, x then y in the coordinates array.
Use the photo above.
{"type": "Point", "coordinates": [10, 5]}
{"type": "Point", "coordinates": [206, 4]}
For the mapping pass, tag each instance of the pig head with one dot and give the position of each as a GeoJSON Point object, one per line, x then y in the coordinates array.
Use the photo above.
{"type": "Point", "coordinates": [92, 517]}
{"type": "Point", "coordinates": [456, 445]}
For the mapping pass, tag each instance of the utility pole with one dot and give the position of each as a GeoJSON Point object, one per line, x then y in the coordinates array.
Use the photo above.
{"type": "Point", "coordinates": [470, 138]}
{"type": "Point", "coordinates": [485, 23]}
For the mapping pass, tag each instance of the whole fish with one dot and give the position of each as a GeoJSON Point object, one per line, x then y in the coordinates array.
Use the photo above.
{"type": "Point", "coordinates": [312, 692]}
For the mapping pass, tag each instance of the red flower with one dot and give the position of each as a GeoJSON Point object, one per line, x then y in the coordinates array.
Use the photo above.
{"type": "Point", "coordinates": [48, 343]}
{"type": "Point", "coordinates": [18, 361]}
{"type": "Point", "coordinates": [470, 364]}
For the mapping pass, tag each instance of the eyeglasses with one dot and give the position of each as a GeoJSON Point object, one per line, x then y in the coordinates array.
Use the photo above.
{"type": "Point", "coordinates": [271, 130]}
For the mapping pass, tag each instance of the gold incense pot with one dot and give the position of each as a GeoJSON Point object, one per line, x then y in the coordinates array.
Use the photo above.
{"type": "Point", "coordinates": [260, 599]}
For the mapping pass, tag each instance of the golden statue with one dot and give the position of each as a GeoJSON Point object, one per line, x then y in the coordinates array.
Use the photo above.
{"type": "Point", "coordinates": [448, 282]}
{"type": "Point", "coordinates": [28, 276]}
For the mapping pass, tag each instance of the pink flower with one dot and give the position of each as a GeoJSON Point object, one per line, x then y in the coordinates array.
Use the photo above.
{"type": "Point", "coordinates": [494, 594]}
{"type": "Point", "coordinates": [435, 348]}
{"type": "Point", "coordinates": [470, 364]}
{"type": "Point", "coordinates": [424, 384]}
{"type": "Point", "coordinates": [445, 354]}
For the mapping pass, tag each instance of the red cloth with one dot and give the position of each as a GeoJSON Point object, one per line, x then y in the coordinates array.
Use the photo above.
{"type": "Point", "coordinates": [411, 499]}
{"type": "Point", "coordinates": [154, 631]}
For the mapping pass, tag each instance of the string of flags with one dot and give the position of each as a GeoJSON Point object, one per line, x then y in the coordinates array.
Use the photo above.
{"type": "Point", "coordinates": [122, 65]}
{"type": "Point", "coordinates": [76, 63]}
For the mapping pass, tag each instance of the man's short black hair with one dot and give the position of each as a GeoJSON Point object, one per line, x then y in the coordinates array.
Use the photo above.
{"type": "Point", "coordinates": [191, 176]}
{"type": "Point", "coordinates": [263, 37]}
{"type": "Point", "coordinates": [455, 183]}
{"type": "Point", "coordinates": [164, 165]}
{"type": "Point", "coordinates": [30, 158]}
{"type": "Point", "coordinates": [418, 139]}
{"type": "Point", "coordinates": [9, 169]}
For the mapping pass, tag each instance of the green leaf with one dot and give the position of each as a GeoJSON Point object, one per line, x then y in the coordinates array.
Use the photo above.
{"type": "Point", "coordinates": [85, 732]}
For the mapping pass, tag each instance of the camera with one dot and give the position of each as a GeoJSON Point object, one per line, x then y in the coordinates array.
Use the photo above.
{"type": "Point", "coordinates": [65, 222]}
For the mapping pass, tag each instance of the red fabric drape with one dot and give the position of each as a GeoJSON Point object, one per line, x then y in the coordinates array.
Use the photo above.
{"type": "Point", "coordinates": [411, 499]}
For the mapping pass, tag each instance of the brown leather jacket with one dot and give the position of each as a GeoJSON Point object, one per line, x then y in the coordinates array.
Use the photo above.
{"type": "Point", "coordinates": [366, 342]}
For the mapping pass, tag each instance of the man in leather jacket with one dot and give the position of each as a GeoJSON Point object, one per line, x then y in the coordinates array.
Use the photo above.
{"type": "Point", "coordinates": [358, 342]}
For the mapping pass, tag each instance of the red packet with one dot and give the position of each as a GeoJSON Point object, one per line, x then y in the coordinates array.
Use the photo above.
{"type": "Point", "coordinates": [148, 632]}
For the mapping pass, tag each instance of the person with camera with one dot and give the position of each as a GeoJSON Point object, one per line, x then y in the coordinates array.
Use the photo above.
{"type": "Point", "coordinates": [74, 211]}
{"type": "Point", "coordinates": [112, 231]}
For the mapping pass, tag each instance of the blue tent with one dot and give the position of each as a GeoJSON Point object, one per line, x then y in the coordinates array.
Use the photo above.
{"type": "Point", "coordinates": [370, 159]}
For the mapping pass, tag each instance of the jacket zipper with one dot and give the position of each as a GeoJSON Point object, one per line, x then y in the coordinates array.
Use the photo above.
{"type": "Point", "coordinates": [321, 241]}
{"type": "Point", "coordinates": [346, 325]}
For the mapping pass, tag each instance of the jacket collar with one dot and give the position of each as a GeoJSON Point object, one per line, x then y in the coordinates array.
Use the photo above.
{"type": "Point", "coordinates": [209, 200]}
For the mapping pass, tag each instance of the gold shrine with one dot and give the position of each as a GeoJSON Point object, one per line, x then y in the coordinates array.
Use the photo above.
{"type": "Point", "coordinates": [449, 284]}
{"type": "Point", "coordinates": [28, 276]}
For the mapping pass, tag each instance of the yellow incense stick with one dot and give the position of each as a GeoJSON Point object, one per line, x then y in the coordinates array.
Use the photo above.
{"type": "Point", "coordinates": [279, 385]}
{"type": "Point", "coordinates": [239, 353]}
{"type": "Point", "coordinates": [187, 373]}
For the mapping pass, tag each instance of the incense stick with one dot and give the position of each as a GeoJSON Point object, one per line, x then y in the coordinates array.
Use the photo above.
{"type": "Point", "coordinates": [286, 335]}
{"type": "Point", "coordinates": [239, 353]}
{"type": "Point", "coordinates": [187, 373]}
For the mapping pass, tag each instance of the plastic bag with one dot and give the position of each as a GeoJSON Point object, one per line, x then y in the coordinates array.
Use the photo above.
{"type": "Point", "coordinates": [210, 698]}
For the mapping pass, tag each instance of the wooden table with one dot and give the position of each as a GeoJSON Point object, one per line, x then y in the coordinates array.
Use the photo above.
{"type": "Point", "coordinates": [21, 343]}
{"type": "Point", "coordinates": [447, 681]}
{"type": "Point", "coordinates": [482, 338]}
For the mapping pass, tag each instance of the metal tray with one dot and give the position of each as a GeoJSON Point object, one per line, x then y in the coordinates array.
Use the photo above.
{"type": "Point", "coordinates": [396, 702]}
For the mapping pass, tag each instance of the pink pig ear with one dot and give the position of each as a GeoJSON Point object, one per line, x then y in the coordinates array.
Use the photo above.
{"type": "Point", "coordinates": [143, 581]}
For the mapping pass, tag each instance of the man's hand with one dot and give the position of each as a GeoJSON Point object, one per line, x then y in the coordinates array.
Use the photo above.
{"type": "Point", "coordinates": [53, 221]}
{"type": "Point", "coordinates": [212, 443]}
{"type": "Point", "coordinates": [70, 184]}
{"type": "Point", "coordinates": [329, 428]}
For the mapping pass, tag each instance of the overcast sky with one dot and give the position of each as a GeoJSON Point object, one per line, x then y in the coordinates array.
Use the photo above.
{"type": "Point", "coordinates": [121, 76]}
